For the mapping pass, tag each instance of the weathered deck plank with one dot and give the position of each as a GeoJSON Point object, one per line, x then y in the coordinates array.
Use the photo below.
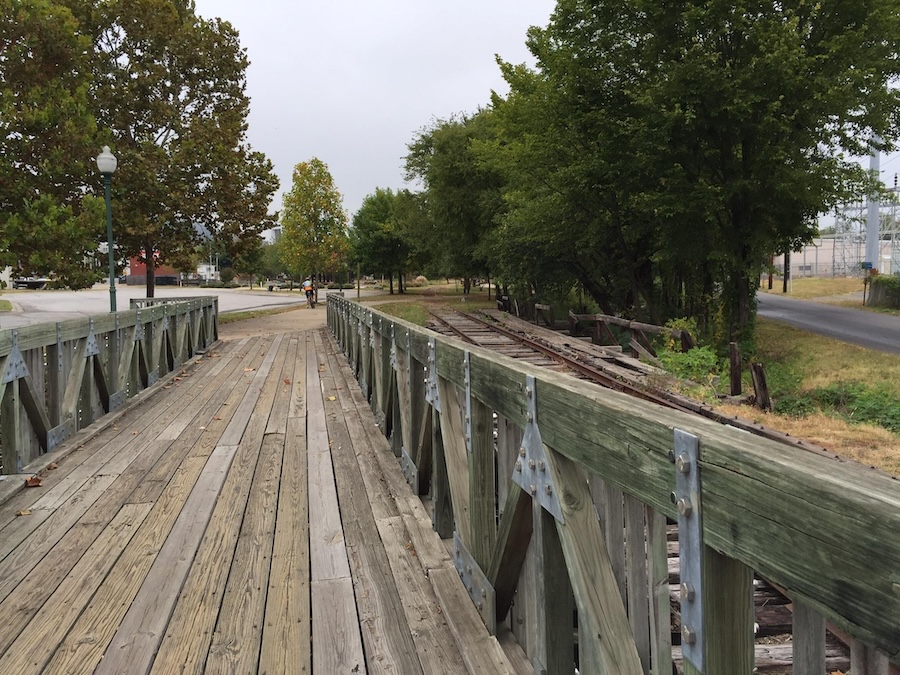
{"type": "Point", "coordinates": [158, 547]}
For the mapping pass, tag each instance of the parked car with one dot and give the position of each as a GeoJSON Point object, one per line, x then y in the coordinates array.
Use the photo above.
{"type": "Point", "coordinates": [30, 282]}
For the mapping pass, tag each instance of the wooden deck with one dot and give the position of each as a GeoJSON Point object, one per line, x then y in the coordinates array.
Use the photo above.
{"type": "Point", "coordinates": [247, 516]}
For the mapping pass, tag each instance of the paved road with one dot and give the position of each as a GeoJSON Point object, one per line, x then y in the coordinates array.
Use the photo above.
{"type": "Point", "coordinates": [856, 326]}
{"type": "Point", "coordinates": [44, 306]}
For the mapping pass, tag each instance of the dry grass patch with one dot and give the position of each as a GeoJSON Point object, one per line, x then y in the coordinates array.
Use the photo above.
{"type": "Point", "coordinates": [818, 287]}
{"type": "Point", "coordinates": [865, 443]}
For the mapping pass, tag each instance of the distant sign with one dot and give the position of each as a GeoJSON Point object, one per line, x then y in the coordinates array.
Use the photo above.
{"type": "Point", "coordinates": [866, 265]}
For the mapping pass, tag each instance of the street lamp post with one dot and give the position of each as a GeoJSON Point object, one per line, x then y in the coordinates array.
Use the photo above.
{"type": "Point", "coordinates": [106, 162]}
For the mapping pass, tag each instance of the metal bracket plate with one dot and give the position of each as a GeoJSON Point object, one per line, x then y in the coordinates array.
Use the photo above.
{"type": "Point", "coordinates": [92, 348]}
{"type": "Point", "coordinates": [468, 383]}
{"type": "Point", "coordinates": [15, 362]}
{"type": "Point", "coordinates": [476, 582]}
{"type": "Point", "coordinates": [532, 472]}
{"type": "Point", "coordinates": [117, 400]}
{"type": "Point", "coordinates": [152, 378]}
{"type": "Point", "coordinates": [410, 470]}
{"type": "Point", "coordinates": [690, 546]}
{"type": "Point", "coordinates": [139, 332]}
{"type": "Point", "coordinates": [431, 387]}
{"type": "Point", "coordinates": [58, 434]}
{"type": "Point", "coordinates": [394, 365]}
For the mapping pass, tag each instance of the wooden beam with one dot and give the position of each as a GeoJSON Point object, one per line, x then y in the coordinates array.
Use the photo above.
{"type": "Point", "coordinates": [453, 437]}
{"type": "Point", "coordinates": [508, 556]}
{"type": "Point", "coordinates": [482, 497]}
{"type": "Point", "coordinates": [555, 645]}
{"type": "Point", "coordinates": [606, 644]}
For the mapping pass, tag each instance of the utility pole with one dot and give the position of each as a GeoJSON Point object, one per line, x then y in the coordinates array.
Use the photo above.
{"type": "Point", "coordinates": [873, 234]}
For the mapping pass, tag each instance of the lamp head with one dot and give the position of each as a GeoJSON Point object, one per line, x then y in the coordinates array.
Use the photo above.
{"type": "Point", "coordinates": [106, 161]}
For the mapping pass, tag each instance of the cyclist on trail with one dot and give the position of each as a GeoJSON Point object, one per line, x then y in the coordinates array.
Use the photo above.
{"type": "Point", "coordinates": [310, 291]}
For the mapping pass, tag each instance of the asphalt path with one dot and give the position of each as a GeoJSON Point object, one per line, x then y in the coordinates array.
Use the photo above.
{"type": "Point", "coordinates": [50, 306]}
{"type": "Point", "coordinates": [856, 326]}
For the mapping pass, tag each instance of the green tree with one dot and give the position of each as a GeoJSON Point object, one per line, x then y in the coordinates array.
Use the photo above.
{"type": "Point", "coordinates": [673, 148]}
{"type": "Point", "coordinates": [47, 140]}
{"type": "Point", "coordinates": [377, 242]}
{"type": "Point", "coordinates": [314, 239]}
{"type": "Point", "coordinates": [166, 90]}
{"type": "Point", "coordinates": [463, 198]}
{"type": "Point", "coordinates": [170, 90]}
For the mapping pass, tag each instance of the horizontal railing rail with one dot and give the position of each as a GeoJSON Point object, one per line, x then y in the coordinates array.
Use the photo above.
{"type": "Point", "coordinates": [57, 378]}
{"type": "Point", "coordinates": [558, 491]}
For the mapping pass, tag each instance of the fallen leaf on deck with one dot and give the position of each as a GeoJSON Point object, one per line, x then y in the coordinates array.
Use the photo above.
{"type": "Point", "coordinates": [34, 481]}
{"type": "Point", "coordinates": [24, 512]}
{"type": "Point", "coordinates": [287, 380]}
{"type": "Point", "coordinates": [177, 379]}
{"type": "Point", "coordinates": [134, 433]}
{"type": "Point", "coordinates": [332, 398]}
{"type": "Point", "coordinates": [249, 370]}
{"type": "Point", "coordinates": [217, 418]}
{"type": "Point", "coordinates": [202, 428]}
{"type": "Point", "coordinates": [52, 465]}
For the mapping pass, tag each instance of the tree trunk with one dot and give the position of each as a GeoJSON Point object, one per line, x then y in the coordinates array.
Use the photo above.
{"type": "Point", "coordinates": [391, 281]}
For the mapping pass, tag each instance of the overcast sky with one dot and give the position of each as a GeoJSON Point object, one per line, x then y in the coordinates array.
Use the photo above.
{"type": "Point", "coordinates": [352, 81]}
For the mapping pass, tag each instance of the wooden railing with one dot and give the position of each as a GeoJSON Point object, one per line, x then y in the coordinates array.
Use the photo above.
{"type": "Point", "coordinates": [585, 481]}
{"type": "Point", "coordinates": [58, 378]}
{"type": "Point", "coordinates": [639, 343]}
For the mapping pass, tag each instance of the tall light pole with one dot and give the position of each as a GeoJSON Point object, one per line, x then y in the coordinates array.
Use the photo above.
{"type": "Point", "coordinates": [106, 162]}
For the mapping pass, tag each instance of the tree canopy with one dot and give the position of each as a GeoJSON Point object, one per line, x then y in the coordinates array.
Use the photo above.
{"type": "Point", "coordinates": [379, 236]}
{"type": "Point", "coordinates": [314, 239]}
{"type": "Point", "coordinates": [166, 90]}
{"type": "Point", "coordinates": [463, 197]}
{"type": "Point", "coordinates": [659, 153]}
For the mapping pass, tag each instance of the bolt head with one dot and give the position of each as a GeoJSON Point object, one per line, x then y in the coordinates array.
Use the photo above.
{"type": "Point", "coordinates": [683, 463]}
{"type": "Point", "coordinates": [522, 450]}
{"type": "Point", "coordinates": [548, 490]}
{"type": "Point", "coordinates": [528, 392]}
{"type": "Point", "coordinates": [518, 465]}
{"type": "Point", "coordinates": [542, 465]}
{"type": "Point", "coordinates": [684, 506]}
{"type": "Point", "coordinates": [531, 464]}
{"type": "Point", "coordinates": [533, 489]}
{"type": "Point", "coordinates": [529, 417]}
{"type": "Point", "coordinates": [688, 635]}
{"type": "Point", "coordinates": [687, 592]}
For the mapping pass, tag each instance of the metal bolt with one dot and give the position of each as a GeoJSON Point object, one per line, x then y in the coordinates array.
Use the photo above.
{"type": "Point", "coordinates": [480, 606]}
{"type": "Point", "coordinates": [542, 465]}
{"type": "Point", "coordinates": [684, 506]}
{"type": "Point", "coordinates": [483, 593]}
{"type": "Point", "coordinates": [673, 497]}
{"type": "Point", "coordinates": [548, 490]}
{"type": "Point", "coordinates": [683, 463]}
{"type": "Point", "coordinates": [522, 450]}
{"type": "Point", "coordinates": [688, 636]}
{"type": "Point", "coordinates": [687, 592]}
{"type": "Point", "coordinates": [528, 392]}
{"type": "Point", "coordinates": [533, 489]}
{"type": "Point", "coordinates": [469, 571]}
{"type": "Point", "coordinates": [529, 417]}
{"type": "Point", "coordinates": [518, 465]}
{"type": "Point", "coordinates": [531, 464]}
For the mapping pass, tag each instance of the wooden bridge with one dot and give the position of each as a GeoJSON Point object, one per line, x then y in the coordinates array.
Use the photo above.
{"type": "Point", "coordinates": [382, 499]}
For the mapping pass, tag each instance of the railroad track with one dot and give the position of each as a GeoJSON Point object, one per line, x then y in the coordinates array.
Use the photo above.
{"type": "Point", "coordinates": [605, 366]}
{"type": "Point", "coordinates": [608, 367]}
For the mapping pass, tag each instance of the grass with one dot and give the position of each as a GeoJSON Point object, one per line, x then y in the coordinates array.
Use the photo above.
{"type": "Point", "coordinates": [807, 288]}
{"type": "Point", "coordinates": [840, 396]}
{"type": "Point", "coordinates": [5, 306]}
{"type": "Point", "coordinates": [231, 317]}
